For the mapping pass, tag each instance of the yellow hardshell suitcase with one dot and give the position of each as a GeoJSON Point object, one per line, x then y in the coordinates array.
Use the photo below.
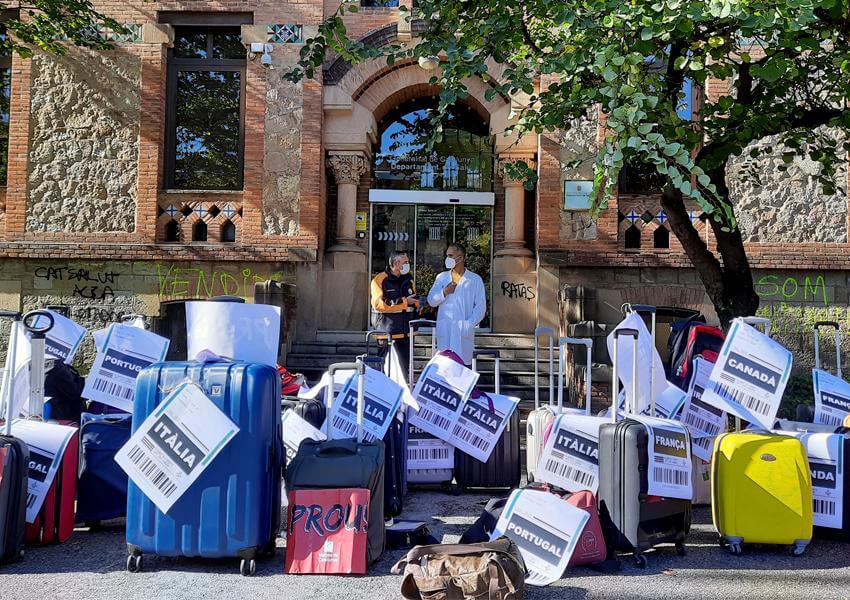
{"type": "Point", "coordinates": [761, 491]}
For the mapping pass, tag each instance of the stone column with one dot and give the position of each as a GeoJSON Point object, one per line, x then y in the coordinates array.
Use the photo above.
{"type": "Point", "coordinates": [347, 170]}
{"type": "Point", "coordinates": [514, 210]}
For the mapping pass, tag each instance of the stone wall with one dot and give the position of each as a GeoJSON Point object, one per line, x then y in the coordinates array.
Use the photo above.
{"type": "Point", "coordinates": [579, 143]}
{"type": "Point", "coordinates": [789, 206]}
{"type": "Point", "coordinates": [84, 151]}
{"type": "Point", "coordinates": [282, 160]}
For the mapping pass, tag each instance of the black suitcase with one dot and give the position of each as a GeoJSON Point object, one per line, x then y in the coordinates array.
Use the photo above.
{"type": "Point", "coordinates": [639, 521]}
{"type": "Point", "coordinates": [503, 469]}
{"type": "Point", "coordinates": [312, 410]}
{"type": "Point", "coordinates": [14, 468]}
{"type": "Point", "coordinates": [347, 463]}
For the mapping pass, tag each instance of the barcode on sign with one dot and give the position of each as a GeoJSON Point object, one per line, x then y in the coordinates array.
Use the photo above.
{"type": "Point", "coordinates": [670, 476]}
{"type": "Point", "coordinates": [830, 420]}
{"type": "Point", "coordinates": [580, 476]}
{"type": "Point", "coordinates": [110, 388]}
{"type": "Point", "coordinates": [703, 442]}
{"type": "Point", "coordinates": [470, 438]}
{"type": "Point", "coordinates": [347, 427]}
{"type": "Point", "coordinates": [745, 400]}
{"type": "Point", "coordinates": [428, 453]}
{"type": "Point", "coordinates": [151, 470]}
{"type": "Point", "coordinates": [701, 424]}
{"type": "Point", "coordinates": [30, 500]}
{"type": "Point", "coordinates": [824, 507]}
{"type": "Point", "coordinates": [433, 418]}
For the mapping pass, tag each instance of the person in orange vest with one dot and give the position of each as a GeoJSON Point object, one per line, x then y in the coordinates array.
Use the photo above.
{"type": "Point", "coordinates": [393, 297]}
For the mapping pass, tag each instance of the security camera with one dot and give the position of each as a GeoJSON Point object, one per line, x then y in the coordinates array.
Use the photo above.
{"type": "Point", "coordinates": [258, 47]}
{"type": "Point", "coordinates": [266, 60]}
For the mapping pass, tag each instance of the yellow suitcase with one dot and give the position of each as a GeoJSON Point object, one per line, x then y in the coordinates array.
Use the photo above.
{"type": "Point", "coordinates": [761, 491]}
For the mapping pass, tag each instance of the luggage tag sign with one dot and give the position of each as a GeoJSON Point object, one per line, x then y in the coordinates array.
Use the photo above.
{"type": "Point", "coordinates": [545, 528]}
{"type": "Point", "coordinates": [647, 354]}
{"type": "Point", "coordinates": [441, 391]}
{"type": "Point", "coordinates": [478, 427]}
{"type": "Point", "coordinates": [749, 376]}
{"type": "Point", "coordinates": [175, 444]}
{"type": "Point", "coordinates": [570, 458]}
{"type": "Point", "coordinates": [424, 451]}
{"type": "Point", "coordinates": [381, 397]}
{"type": "Point", "coordinates": [704, 421]}
{"type": "Point", "coordinates": [669, 450]}
{"type": "Point", "coordinates": [826, 462]}
{"type": "Point", "coordinates": [295, 431]}
{"type": "Point", "coordinates": [64, 338]}
{"type": "Point", "coordinates": [126, 350]}
{"type": "Point", "coordinates": [47, 443]}
{"type": "Point", "coordinates": [832, 398]}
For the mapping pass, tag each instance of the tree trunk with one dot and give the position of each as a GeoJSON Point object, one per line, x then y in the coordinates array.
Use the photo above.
{"type": "Point", "coordinates": [729, 284]}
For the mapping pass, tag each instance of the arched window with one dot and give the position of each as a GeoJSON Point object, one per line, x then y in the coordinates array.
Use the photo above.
{"type": "Point", "coordinates": [632, 237]}
{"type": "Point", "coordinates": [450, 172]}
{"type": "Point", "coordinates": [172, 231]}
{"type": "Point", "coordinates": [228, 231]}
{"type": "Point", "coordinates": [661, 238]}
{"type": "Point", "coordinates": [199, 231]}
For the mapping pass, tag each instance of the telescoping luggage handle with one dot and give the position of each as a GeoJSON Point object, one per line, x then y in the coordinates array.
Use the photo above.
{"type": "Point", "coordinates": [374, 334]}
{"type": "Point", "coordinates": [360, 371]}
{"type": "Point", "coordinates": [837, 329]}
{"type": "Point", "coordinates": [416, 325]}
{"type": "Point", "coordinates": [9, 369]}
{"type": "Point", "coordinates": [562, 358]}
{"type": "Point", "coordinates": [615, 378]}
{"type": "Point", "coordinates": [758, 322]}
{"type": "Point", "coordinates": [538, 333]}
{"type": "Point", "coordinates": [38, 330]}
{"type": "Point", "coordinates": [496, 356]}
{"type": "Point", "coordinates": [652, 311]}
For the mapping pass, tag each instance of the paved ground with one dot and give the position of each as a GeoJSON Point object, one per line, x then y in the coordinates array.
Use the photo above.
{"type": "Point", "coordinates": [92, 566]}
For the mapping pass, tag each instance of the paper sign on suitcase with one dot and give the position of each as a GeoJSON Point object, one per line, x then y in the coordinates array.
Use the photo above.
{"type": "Point", "coordinates": [570, 458]}
{"type": "Point", "coordinates": [479, 426]}
{"type": "Point", "coordinates": [175, 444]}
{"type": "Point", "coordinates": [63, 339]}
{"type": "Point", "coordinates": [441, 391]}
{"type": "Point", "coordinates": [425, 451]}
{"type": "Point", "coordinates": [703, 420]}
{"type": "Point", "coordinates": [832, 398]}
{"type": "Point", "coordinates": [327, 531]}
{"type": "Point", "coordinates": [382, 398]}
{"type": "Point", "coordinates": [295, 431]}
{"type": "Point", "coordinates": [669, 451]}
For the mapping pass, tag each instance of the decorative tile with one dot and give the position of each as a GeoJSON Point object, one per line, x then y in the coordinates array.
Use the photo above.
{"type": "Point", "coordinates": [694, 215]}
{"type": "Point", "coordinates": [661, 217]}
{"type": "Point", "coordinates": [286, 33]}
{"type": "Point", "coordinates": [647, 216]}
{"type": "Point", "coordinates": [133, 35]}
{"type": "Point", "coordinates": [228, 211]}
{"type": "Point", "coordinates": [172, 211]}
{"type": "Point", "coordinates": [632, 216]}
{"type": "Point", "coordinates": [200, 211]}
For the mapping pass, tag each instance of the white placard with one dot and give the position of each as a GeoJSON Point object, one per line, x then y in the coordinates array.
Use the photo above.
{"type": "Point", "coordinates": [480, 425]}
{"type": "Point", "coordinates": [570, 458]}
{"type": "Point", "coordinates": [47, 443]}
{"type": "Point", "coordinates": [546, 529]}
{"type": "Point", "coordinates": [64, 338]}
{"type": "Point", "coordinates": [669, 450]}
{"type": "Point", "coordinates": [318, 390]}
{"type": "Point", "coordinates": [21, 381]}
{"type": "Point", "coordinates": [424, 451]}
{"type": "Point", "coordinates": [669, 401]}
{"type": "Point", "coordinates": [381, 399]}
{"type": "Point", "coordinates": [826, 462]}
{"type": "Point", "coordinates": [832, 398]}
{"type": "Point", "coordinates": [175, 444]}
{"type": "Point", "coordinates": [443, 387]}
{"type": "Point", "coordinates": [125, 352]}
{"type": "Point", "coordinates": [647, 354]}
{"type": "Point", "coordinates": [295, 431]}
{"type": "Point", "coordinates": [749, 376]}
{"type": "Point", "coordinates": [393, 370]}
{"type": "Point", "coordinates": [704, 421]}
{"type": "Point", "coordinates": [249, 332]}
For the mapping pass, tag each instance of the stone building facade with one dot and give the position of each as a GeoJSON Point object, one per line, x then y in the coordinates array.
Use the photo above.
{"type": "Point", "coordinates": [105, 207]}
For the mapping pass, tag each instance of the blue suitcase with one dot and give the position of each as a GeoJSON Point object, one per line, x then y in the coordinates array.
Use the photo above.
{"type": "Point", "coordinates": [233, 509]}
{"type": "Point", "coordinates": [102, 486]}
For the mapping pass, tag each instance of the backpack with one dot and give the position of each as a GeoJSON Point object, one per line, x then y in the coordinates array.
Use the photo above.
{"type": "Point", "coordinates": [487, 571]}
{"type": "Point", "coordinates": [64, 386]}
{"type": "Point", "coordinates": [290, 383]}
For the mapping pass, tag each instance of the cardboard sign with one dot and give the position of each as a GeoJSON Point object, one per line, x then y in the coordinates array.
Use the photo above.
{"type": "Point", "coordinates": [327, 531]}
{"type": "Point", "coordinates": [570, 458]}
{"type": "Point", "coordinates": [175, 444]}
{"type": "Point", "coordinates": [295, 431]}
{"type": "Point", "coordinates": [64, 338]}
{"type": "Point", "coordinates": [826, 462]}
{"type": "Point", "coordinates": [832, 398]}
{"type": "Point", "coordinates": [670, 463]}
{"type": "Point", "coordinates": [249, 332]}
{"type": "Point", "coordinates": [704, 421]}
{"type": "Point", "coordinates": [546, 529]}
{"type": "Point", "coordinates": [441, 391]}
{"type": "Point", "coordinates": [424, 451]}
{"type": "Point", "coordinates": [478, 427]}
{"type": "Point", "coordinates": [749, 376]}
{"type": "Point", "coordinates": [382, 398]}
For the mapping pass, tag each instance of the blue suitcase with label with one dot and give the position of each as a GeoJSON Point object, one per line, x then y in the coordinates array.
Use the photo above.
{"type": "Point", "coordinates": [102, 485]}
{"type": "Point", "coordinates": [233, 509]}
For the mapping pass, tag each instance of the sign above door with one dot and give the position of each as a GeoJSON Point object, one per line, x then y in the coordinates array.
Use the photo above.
{"type": "Point", "coordinates": [431, 197]}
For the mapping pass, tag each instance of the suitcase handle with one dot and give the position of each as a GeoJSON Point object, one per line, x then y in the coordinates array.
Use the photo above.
{"type": "Point", "coordinates": [758, 321]}
{"type": "Point", "coordinates": [344, 446]}
{"type": "Point", "coordinates": [371, 335]}
{"type": "Point", "coordinates": [31, 322]}
{"type": "Point", "coordinates": [563, 343]}
{"type": "Point", "coordinates": [833, 324]}
{"type": "Point", "coordinates": [615, 378]}
{"type": "Point", "coordinates": [360, 370]}
{"type": "Point", "coordinates": [496, 356]}
{"type": "Point", "coordinates": [816, 330]}
{"type": "Point", "coordinates": [10, 314]}
{"type": "Point", "coordinates": [538, 333]}
{"type": "Point", "coordinates": [414, 325]}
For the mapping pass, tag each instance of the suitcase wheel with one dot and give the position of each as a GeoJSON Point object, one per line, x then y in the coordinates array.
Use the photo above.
{"type": "Point", "coordinates": [640, 561]}
{"type": "Point", "coordinates": [797, 549]}
{"type": "Point", "coordinates": [735, 548]}
{"type": "Point", "coordinates": [248, 567]}
{"type": "Point", "coordinates": [681, 549]}
{"type": "Point", "coordinates": [134, 563]}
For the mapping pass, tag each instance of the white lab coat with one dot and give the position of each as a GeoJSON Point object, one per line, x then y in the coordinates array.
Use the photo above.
{"type": "Point", "coordinates": [459, 312]}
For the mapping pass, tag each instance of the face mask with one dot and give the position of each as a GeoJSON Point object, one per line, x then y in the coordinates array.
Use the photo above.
{"type": "Point", "coordinates": [405, 268]}
{"type": "Point", "coordinates": [450, 262]}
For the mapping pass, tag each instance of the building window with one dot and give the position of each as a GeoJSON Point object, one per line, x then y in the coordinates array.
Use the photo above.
{"type": "Point", "coordinates": [228, 231]}
{"type": "Point", "coordinates": [206, 91]}
{"type": "Point", "coordinates": [199, 232]}
{"type": "Point", "coordinates": [661, 238]}
{"type": "Point", "coordinates": [172, 231]}
{"type": "Point", "coordinates": [379, 3]}
{"type": "Point", "coordinates": [5, 95]}
{"type": "Point", "coordinates": [632, 238]}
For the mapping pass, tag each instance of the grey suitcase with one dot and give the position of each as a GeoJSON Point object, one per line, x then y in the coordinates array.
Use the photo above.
{"type": "Point", "coordinates": [639, 521]}
{"type": "Point", "coordinates": [346, 463]}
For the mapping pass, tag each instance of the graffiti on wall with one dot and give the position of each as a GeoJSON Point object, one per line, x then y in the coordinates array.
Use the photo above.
{"type": "Point", "coordinates": [176, 282]}
{"type": "Point", "coordinates": [784, 289]}
{"type": "Point", "coordinates": [89, 284]}
{"type": "Point", "coordinates": [518, 290]}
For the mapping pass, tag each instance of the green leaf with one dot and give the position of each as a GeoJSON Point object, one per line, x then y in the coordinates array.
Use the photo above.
{"type": "Point", "coordinates": [646, 33]}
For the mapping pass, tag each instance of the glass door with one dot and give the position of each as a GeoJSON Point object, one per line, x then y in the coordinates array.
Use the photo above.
{"type": "Point", "coordinates": [392, 229]}
{"type": "Point", "coordinates": [434, 226]}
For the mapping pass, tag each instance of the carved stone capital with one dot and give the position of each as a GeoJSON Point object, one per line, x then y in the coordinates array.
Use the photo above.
{"type": "Point", "coordinates": [508, 179]}
{"type": "Point", "coordinates": [347, 168]}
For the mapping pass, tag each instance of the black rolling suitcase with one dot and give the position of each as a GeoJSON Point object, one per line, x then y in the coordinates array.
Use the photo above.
{"type": "Point", "coordinates": [639, 521]}
{"type": "Point", "coordinates": [503, 469]}
{"type": "Point", "coordinates": [346, 463]}
{"type": "Point", "coordinates": [312, 410]}
{"type": "Point", "coordinates": [14, 464]}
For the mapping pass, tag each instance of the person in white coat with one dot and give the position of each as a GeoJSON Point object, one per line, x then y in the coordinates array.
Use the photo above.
{"type": "Point", "coordinates": [459, 294]}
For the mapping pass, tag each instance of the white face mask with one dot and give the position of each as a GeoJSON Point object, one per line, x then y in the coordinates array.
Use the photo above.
{"type": "Point", "coordinates": [405, 268]}
{"type": "Point", "coordinates": [450, 262]}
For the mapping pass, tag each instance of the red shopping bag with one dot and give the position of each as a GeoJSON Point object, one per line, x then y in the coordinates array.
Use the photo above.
{"type": "Point", "coordinates": [326, 531]}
